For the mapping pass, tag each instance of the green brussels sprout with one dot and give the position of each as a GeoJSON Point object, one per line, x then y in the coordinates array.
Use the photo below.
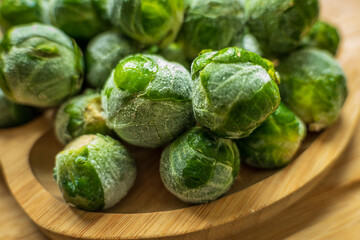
{"type": "Point", "coordinates": [248, 42]}
{"type": "Point", "coordinates": [234, 91]}
{"type": "Point", "coordinates": [275, 142]}
{"type": "Point", "coordinates": [94, 172]}
{"type": "Point", "coordinates": [199, 167]}
{"type": "Point", "coordinates": [39, 65]}
{"type": "Point", "coordinates": [279, 25]}
{"type": "Point", "coordinates": [211, 24]}
{"type": "Point", "coordinates": [103, 54]}
{"type": "Point", "coordinates": [313, 87]}
{"type": "Point", "coordinates": [79, 116]}
{"type": "Point", "coordinates": [147, 100]}
{"type": "Point", "coordinates": [45, 4]}
{"type": "Point", "coordinates": [17, 12]}
{"type": "Point", "coordinates": [324, 36]}
{"type": "Point", "coordinates": [150, 22]}
{"type": "Point", "coordinates": [12, 114]}
{"type": "Point", "coordinates": [81, 19]}
{"type": "Point", "coordinates": [174, 53]}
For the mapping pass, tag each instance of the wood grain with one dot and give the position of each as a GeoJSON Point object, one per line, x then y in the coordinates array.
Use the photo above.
{"type": "Point", "coordinates": [201, 217]}
{"type": "Point", "coordinates": [14, 224]}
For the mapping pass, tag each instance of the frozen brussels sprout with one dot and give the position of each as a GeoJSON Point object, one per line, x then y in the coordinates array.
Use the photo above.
{"type": "Point", "coordinates": [147, 21]}
{"type": "Point", "coordinates": [313, 86]}
{"type": "Point", "coordinates": [234, 91]}
{"type": "Point", "coordinates": [39, 65]}
{"type": "Point", "coordinates": [12, 114]}
{"type": "Point", "coordinates": [248, 42]}
{"type": "Point", "coordinates": [94, 172]}
{"type": "Point", "coordinates": [79, 116]}
{"type": "Point", "coordinates": [174, 53]}
{"type": "Point", "coordinates": [16, 12]}
{"type": "Point", "coordinates": [275, 142]}
{"type": "Point", "coordinates": [324, 36]}
{"type": "Point", "coordinates": [211, 24]}
{"type": "Point", "coordinates": [147, 100]}
{"type": "Point", "coordinates": [199, 167]}
{"type": "Point", "coordinates": [103, 54]}
{"type": "Point", "coordinates": [279, 25]}
{"type": "Point", "coordinates": [81, 19]}
{"type": "Point", "coordinates": [45, 4]}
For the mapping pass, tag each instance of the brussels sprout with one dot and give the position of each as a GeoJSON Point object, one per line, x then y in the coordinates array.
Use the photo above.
{"type": "Point", "coordinates": [279, 25]}
{"type": "Point", "coordinates": [16, 12]}
{"type": "Point", "coordinates": [211, 24]}
{"type": "Point", "coordinates": [94, 172]}
{"type": "Point", "coordinates": [79, 116]}
{"type": "Point", "coordinates": [150, 22]}
{"type": "Point", "coordinates": [81, 19]}
{"type": "Point", "coordinates": [147, 100]}
{"type": "Point", "coordinates": [39, 65]}
{"type": "Point", "coordinates": [174, 53]}
{"type": "Point", "coordinates": [103, 54]}
{"type": "Point", "coordinates": [199, 167]}
{"type": "Point", "coordinates": [275, 142]}
{"type": "Point", "coordinates": [12, 114]}
{"type": "Point", "coordinates": [313, 87]}
{"type": "Point", "coordinates": [45, 5]}
{"type": "Point", "coordinates": [323, 35]}
{"type": "Point", "coordinates": [234, 91]}
{"type": "Point", "coordinates": [248, 42]}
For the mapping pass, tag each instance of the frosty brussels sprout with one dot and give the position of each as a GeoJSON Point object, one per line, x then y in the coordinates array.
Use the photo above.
{"type": "Point", "coordinates": [174, 53]}
{"type": "Point", "coordinates": [12, 114]}
{"type": "Point", "coordinates": [148, 21]}
{"type": "Point", "coordinates": [81, 19]}
{"type": "Point", "coordinates": [39, 65]}
{"type": "Point", "coordinates": [103, 54]}
{"type": "Point", "coordinates": [323, 35]}
{"type": "Point", "coordinates": [279, 25]}
{"type": "Point", "coordinates": [248, 42]}
{"type": "Point", "coordinates": [211, 24]}
{"type": "Point", "coordinates": [199, 167]}
{"type": "Point", "coordinates": [79, 116]}
{"type": "Point", "coordinates": [234, 91]}
{"type": "Point", "coordinates": [16, 12]}
{"type": "Point", "coordinates": [275, 142]}
{"type": "Point", "coordinates": [45, 5]}
{"type": "Point", "coordinates": [94, 172]}
{"type": "Point", "coordinates": [313, 86]}
{"type": "Point", "coordinates": [147, 100]}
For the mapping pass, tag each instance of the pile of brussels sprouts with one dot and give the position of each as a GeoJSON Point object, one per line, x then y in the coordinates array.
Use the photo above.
{"type": "Point", "coordinates": [190, 76]}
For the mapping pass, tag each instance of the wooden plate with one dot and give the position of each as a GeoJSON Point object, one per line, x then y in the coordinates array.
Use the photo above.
{"type": "Point", "coordinates": [149, 211]}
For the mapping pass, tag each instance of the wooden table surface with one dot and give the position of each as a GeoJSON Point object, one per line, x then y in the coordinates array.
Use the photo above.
{"type": "Point", "coordinates": [330, 211]}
